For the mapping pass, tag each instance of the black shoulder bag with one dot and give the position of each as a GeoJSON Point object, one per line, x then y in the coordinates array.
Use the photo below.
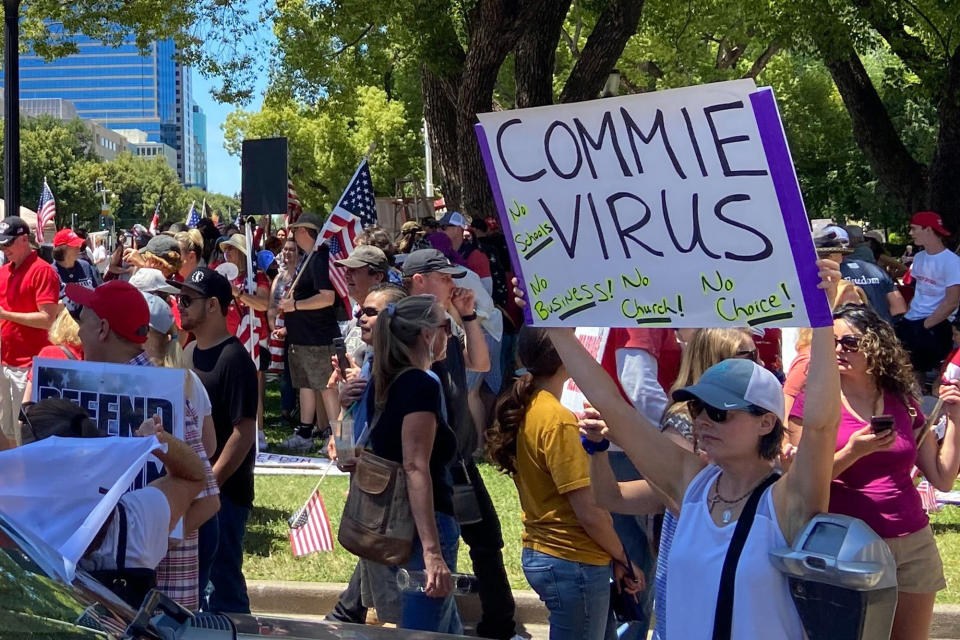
{"type": "Point", "coordinates": [131, 585]}
{"type": "Point", "coordinates": [723, 616]}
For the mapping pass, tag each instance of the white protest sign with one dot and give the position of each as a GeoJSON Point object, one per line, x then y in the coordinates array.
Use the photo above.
{"type": "Point", "coordinates": [118, 397]}
{"type": "Point", "coordinates": [594, 340]}
{"type": "Point", "coordinates": [677, 208]}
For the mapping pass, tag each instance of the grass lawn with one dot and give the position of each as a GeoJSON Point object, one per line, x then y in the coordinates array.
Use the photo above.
{"type": "Point", "coordinates": [268, 555]}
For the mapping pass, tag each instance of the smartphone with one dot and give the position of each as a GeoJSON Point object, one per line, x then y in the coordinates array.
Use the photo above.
{"type": "Point", "coordinates": [881, 424]}
{"type": "Point", "coordinates": [341, 348]}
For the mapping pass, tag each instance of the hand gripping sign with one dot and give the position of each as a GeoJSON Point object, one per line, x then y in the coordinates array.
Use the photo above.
{"type": "Point", "coordinates": [677, 208]}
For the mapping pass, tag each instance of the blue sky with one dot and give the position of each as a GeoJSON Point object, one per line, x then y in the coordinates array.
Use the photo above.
{"type": "Point", "coordinates": [223, 170]}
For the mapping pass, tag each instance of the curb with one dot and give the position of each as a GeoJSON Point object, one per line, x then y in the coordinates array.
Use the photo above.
{"type": "Point", "coordinates": [317, 598]}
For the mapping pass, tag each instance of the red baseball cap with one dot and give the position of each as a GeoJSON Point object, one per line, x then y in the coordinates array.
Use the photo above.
{"type": "Point", "coordinates": [119, 303]}
{"type": "Point", "coordinates": [67, 237]}
{"type": "Point", "coordinates": [930, 219]}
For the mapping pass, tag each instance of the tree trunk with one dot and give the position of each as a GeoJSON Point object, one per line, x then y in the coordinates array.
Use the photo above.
{"type": "Point", "coordinates": [440, 113]}
{"type": "Point", "coordinates": [944, 185]}
{"type": "Point", "coordinates": [616, 23]}
{"type": "Point", "coordinates": [494, 27]}
{"type": "Point", "coordinates": [899, 173]}
{"type": "Point", "coordinates": [536, 57]}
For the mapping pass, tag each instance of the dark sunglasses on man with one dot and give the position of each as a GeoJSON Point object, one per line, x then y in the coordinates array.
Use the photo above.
{"type": "Point", "coordinates": [184, 301]}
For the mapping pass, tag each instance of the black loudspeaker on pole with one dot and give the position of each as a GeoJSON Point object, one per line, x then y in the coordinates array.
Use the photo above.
{"type": "Point", "coordinates": [11, 107]}
{"type": "Point", "coordinates": [263, 189]}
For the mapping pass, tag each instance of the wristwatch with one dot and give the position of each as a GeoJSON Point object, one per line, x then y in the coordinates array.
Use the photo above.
{"type": "Point", "coordinates": [469, 318]}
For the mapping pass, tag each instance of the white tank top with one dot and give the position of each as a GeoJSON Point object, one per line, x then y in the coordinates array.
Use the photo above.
{"type": "Point", "coordinates": [762, 607]}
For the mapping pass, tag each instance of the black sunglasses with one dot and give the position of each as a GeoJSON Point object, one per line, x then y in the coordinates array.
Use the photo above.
{"type": "Point", "coordinates": [185, 301]}
{"type": "Point", "coordinates": [697, 407]}
{"type": "Point", "coordinates": [849, 343]}
{"type": "Point", "coordinates": [748, 354]}
{"type": "Point", "coordinates": [370, 312]}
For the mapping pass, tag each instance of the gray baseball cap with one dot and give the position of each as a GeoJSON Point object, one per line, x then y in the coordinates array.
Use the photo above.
{"type": "Point", "coordinates": [365, 256]}
{"type": "Point", "coordinates": [429, 261]}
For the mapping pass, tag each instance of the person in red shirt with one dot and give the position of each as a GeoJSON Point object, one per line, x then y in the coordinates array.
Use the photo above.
{"type": "Point", "coordinates": [29, 291]}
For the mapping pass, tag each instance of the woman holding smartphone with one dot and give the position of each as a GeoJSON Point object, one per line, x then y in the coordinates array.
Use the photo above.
{"type": "Point", "coordinates": [877, 448]}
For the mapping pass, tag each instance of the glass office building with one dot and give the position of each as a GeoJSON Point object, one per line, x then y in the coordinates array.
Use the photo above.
{"type": "Point", "coordinates": [122, 88]}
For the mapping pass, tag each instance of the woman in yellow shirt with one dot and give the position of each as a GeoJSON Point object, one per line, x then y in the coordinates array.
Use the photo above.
{"type": "Point", "coordinates": [569, 543]}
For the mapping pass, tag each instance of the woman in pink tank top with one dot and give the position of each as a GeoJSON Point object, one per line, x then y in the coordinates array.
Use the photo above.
{"type": "Point", "coordinates": [872, 469]}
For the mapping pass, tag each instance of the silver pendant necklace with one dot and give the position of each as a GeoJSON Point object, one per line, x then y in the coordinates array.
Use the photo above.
{"type": "Point", "coordinates": [727, 514]}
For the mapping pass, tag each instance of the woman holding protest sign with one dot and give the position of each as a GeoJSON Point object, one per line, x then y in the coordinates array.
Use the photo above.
{"type": "Point", "coordinates": [876, 450]}
{"type": "Point", "coordinates": [569, 543]}
{"type": "Point", "coordinates": [737, 408]}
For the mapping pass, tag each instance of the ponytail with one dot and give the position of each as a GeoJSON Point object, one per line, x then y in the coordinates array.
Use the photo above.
{"type": "Point", "coordinates": [535, 351]}
{"type": "Point", "coordinates": [510, 412]}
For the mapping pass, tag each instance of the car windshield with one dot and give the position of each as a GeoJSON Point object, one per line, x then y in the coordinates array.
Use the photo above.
{"type": "Point", "coordinates": [35, 605]}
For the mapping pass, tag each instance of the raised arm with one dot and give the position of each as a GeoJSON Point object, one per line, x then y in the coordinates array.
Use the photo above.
{"type": "Point", "coordinates": [657, 458]}
{"type": "Point", "coordinates": [805, 489]}
{"type": "Point", "coordinates": [940, 465]}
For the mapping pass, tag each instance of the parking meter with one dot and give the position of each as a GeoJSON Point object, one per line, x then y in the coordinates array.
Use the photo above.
{"type": "Point", "coordinates": [843, 579]}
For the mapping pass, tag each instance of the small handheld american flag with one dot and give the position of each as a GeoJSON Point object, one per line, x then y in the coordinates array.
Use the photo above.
{"type": "Point", "coordinates": [46, 210]}
{"type": "Point", "coordinates": [310, 529]}
{"type": "Point", "coordinates": [193, 216]}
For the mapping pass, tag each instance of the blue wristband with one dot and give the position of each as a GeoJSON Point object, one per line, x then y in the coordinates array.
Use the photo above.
{"type": "Point", "coordinates": [592, 447]}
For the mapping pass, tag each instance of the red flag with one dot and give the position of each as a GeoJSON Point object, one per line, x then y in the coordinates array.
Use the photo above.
{"type": "Point", "coordinates": [928, 497]}
{"type": "Point", "coordinates": [310, 528]}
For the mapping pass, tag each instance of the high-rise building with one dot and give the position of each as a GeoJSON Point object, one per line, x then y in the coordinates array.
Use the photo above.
{"type": "Point", "coordinates": [200, 147]}
{"type": "Point", "coordinates": [122, 87]}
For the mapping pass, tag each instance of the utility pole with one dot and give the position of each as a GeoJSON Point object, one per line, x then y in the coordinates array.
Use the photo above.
{"type": "Point", "coordinates": [11, 106]}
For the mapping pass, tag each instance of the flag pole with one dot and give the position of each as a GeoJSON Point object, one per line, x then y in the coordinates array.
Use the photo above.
{"type": "Point", "coordinates": [320, 239]}
{"type": "Point", "coordinates": [299, 512]}
{"type": "Point", "coordinates": [251, 285]}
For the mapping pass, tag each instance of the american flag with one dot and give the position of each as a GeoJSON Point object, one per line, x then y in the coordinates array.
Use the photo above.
{"type": "Point", "coordinates": [355, 211]}
{"type": "Point", "coordinates": [310, 528]}
{"type": "Point", "coordinates": [928, 497]}
{"type": "Point", "coordinates": [155, 222]}
{"type": "Point", "coordinates": [294, 207]}
{"type": "Point", "coordinates": [46, 210]}
{"type": "Point", "coordinates": [193, 216]}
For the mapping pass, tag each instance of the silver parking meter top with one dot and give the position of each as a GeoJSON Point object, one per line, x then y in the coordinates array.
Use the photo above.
{"type": "Point", "coordinates": [839, 550]}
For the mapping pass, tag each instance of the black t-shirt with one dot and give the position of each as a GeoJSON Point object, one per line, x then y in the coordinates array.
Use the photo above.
{"type": "Point", "coordinates": [319, 326]}
{"type": "Point", "coordinates": [411, 392]}
{"type": "Point", "coordinates": [230, 378]}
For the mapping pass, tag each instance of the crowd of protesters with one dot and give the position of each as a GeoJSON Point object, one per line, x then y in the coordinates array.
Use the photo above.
{"type": "Point", "coordinates": [640, 490]}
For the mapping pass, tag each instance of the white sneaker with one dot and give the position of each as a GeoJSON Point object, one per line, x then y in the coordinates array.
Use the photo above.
{"type": "Point", "coordinates": [261, 441]}
{"type": "Point", "coordinates": [297, 442]}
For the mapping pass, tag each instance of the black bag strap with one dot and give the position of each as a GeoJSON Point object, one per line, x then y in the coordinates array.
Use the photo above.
{"type": "Point", "coordinates": [723, 616]}
{"type": "Point", "coordinates": [68, 353]}
{"type": "Point", "coordinates": [122, 539]}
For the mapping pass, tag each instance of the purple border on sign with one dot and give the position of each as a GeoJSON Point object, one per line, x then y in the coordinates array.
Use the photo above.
{"type": "Point", "coordinates": [502, 212]}
{"type": "Point", "coordinates": [791, 205]}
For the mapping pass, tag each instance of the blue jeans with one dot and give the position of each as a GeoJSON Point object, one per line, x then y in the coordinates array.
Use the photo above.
{"type": "Point", "coordinates": [577, 595]}
{"type": "Point", "coordinates": [433, 614]}
{"type": "Point", "coordinates": [208, 540]}
{"type": "Point", "coordinates": [634, 539]}
{"type": "Point", "coordinates": [229, 586]}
